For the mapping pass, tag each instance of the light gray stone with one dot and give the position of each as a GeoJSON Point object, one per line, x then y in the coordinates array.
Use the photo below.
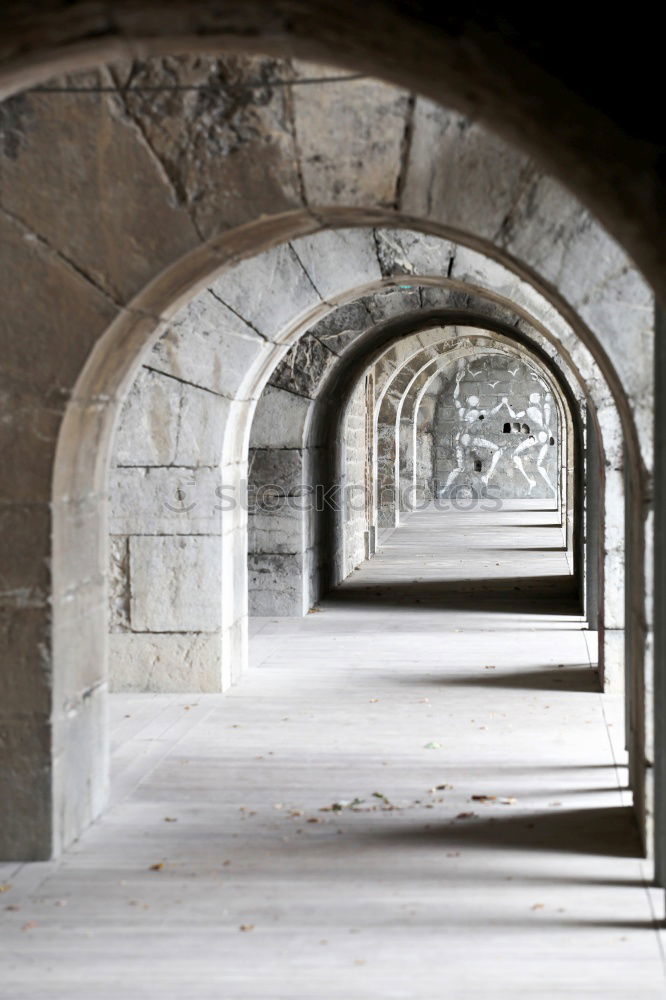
{"type": "Point", "coordinates": [148, 428]}
{"type": "Point", "coordinates": [175, 583]}
{"type": "Point", "coordinates": [279, 420]}
{"type": "Point", "coordinates": [165, 501]}
{"type": "Point", "coordinates": [161, 662]}
{"type": "Point", "coordinates": [270, 292]}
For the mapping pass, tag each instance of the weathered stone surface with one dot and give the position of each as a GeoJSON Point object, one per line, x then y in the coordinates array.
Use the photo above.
{"type": "Point", "coordinates": [25, 530]}
{"type": "Point", "coordinates": [275, 584]}
{"type": "Point", "coordinates": [460, 174]}
{"type": "Point", "coordinates": [119, 592]}
{"type": "Point", "coordinates": [282, 468]}
{"type": "Point", "coordinates": [164, 501]}
{"type": "Point", "coordinates": [279, 420]}
{"type": "Point", "coordinates": [175, 583]}
{"type": "Point", "coordinates": [270, 292]}
{"type": "Point", "coordinates": [46, 344]}
{"type": "Point", "coordinates": [86, 160]}
{"type": "Point", "coordinates": [201, 427]}
{"type": "Point", "coordinates": [351, 138]}
{"type": "Point", "coordinates": [391, 303]}
{"type": "Point", "coordinates": [304, 367]}
{"type": "Point", "coordinates": [148, 429]}
{"type": "Point", "coordinates": [342, 325]}
{"type": "Point", "coordinates": [402, 251]}
{"type": "Point", "coordinates": [228, 152]}
{"type": "Point", "coordinates": [338, 260]}
{"type": "Point", "coordinates": [162, 662]}
{"type": "Point", "coordinates": [209, 345]}
{"type": "Point", "coordinates": [285, 529]}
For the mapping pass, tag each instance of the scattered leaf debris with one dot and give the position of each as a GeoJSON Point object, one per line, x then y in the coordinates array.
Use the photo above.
{"type": "Point", "coordinates": [466, 815]}
{"type": "Point", "coordinates": [246, 927]}
{"type": "Point", "coordinates": [484, 798]}
{"type": "Point", "coordinates": [433, 745]}
{"type": "Point", "coordinates": [170, 819]}
{"type": "Point", "coordinates": [157, 867]}
{"type": "Point", "coordinates": [31, 924]}
{"type": "Point", "coordinates": [5, 887]}
{"type": "Point", "coordinates": [538, 906]}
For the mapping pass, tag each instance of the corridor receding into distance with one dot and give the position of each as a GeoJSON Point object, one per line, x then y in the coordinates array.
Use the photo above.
{"type": "Point", "coordinates": [414, 788]}
{"type": "Point", "coordinates": [332, 567]}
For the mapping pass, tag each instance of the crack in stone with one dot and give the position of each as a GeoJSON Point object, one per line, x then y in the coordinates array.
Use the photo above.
{"type": "Point", "coordinates": [178, 192]}
{"type": "Point", "coordinates": [28, 232]}
{"type": "Point", "coordinates": [184, 381]}
{"type": "Point", "coordinates": [405, 151]}
{"type": "Point", "coordinates": [291, 117]}
{"type": "Point", "coordinates": [240, 316]}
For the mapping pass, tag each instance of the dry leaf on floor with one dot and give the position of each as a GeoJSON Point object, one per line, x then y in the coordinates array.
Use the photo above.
{"type": "Point", "coordinates": [508, 800]}
{"type": "Point", "coordinates": [170, 819]}
{"type": "Point", "coordinates": [484, 798]}
{"type": "Point", "coordinates": [31, 924]}
{"type": "Point", "coordinates": [5, 887]}
{"type": "Point", "coordinates": [466, 815]}
{"type": "Point", "coordinates": [538, 906]}
{"type": "Point", "coordinates": [490, 666]}
{"type": "Point", "coordinates": [157, 867]}
{"type": "Point", "coordinates": [13, 907]}
{"type": "Point", "coordinates": [314, 819]}
{"type": "Point", "coordinates": [246, 927]}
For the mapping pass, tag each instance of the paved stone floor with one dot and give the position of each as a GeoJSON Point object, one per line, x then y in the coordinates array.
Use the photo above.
{"type": "Point", "coordinates": [416, 792]}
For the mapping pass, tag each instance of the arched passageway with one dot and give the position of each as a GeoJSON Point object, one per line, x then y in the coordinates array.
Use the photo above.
{"type": "Point", "coordinates": [303, 343]}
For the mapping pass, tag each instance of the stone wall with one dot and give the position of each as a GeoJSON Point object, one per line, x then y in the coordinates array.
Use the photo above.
{"type": "Point", "coordinates": [165, 544]}
{"type": "Point", "coordinates": [495, 428]}
{"type": "Point", "coordinates": [355, 469]}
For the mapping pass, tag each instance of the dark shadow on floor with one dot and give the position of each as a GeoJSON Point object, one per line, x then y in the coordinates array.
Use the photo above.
{"type": "Point", "coordinates": [551, 594]}
{"type": "Point", "coordinates": [570, 678]}
{"type": "Point", "coordinates": [610, 831]}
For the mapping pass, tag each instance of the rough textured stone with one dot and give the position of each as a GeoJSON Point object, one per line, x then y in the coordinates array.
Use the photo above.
{"type": "Point", "coordinates": [228, 152]}
{"type": "Point", "coordinates": [149, 424]}
{"type": "Point", "coordinates": [209, 345]}
{"type": "Point", "coordinates": [164, 501]}
{"type": "Point", "coordinates": [339, 259]}
{"type": "Point", "coordinates": [175, 583]}
{"type": "Point", "coordinates": [279, 420]}
{"type": "Point", "coordinates": [270, 292]}
{"type": "Point", "coordinates": [165, 662]}
{"type": "Point", "coordinates": [348, 155]}
{"type": "Point", "coordinates": [304, 368]}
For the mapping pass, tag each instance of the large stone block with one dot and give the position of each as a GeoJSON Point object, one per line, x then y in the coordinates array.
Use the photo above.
{"type": "Point", "coordinates": [270, 291]}
{"type": "Point", "coordinates": [341, 326]}
{"type": "Point", "coordinates": [227, 149]}
{"type": "Point", "coordinates": [304, 367]}
{"type": "Point", "coordinates": [210, 345]}
{"type": "Point", "coordinates": [201, 427]}
{"type": "Point", "coordinates": [157, 501]}
{"type": "Point", "coordinates": [350, 135]}
{"type": "Point", "coordinates": [275, 584]}
{"type": "Point", "coordinates": [280, 419]}
{"type": "Point", "coordinates": [283, 530]}
{"type": "Point", "coordinates": [278, 467]}
{"type": "Point", "coordinates": [148, 428]}
{"type": "Point", "coordinates": [460, 174]}
{"type": "Point", "coordinates": [85, 204]}
{"type": "Point", "coordinates": [175, 583]}
{"type": "Point", "coordinates": [165, 662]}
{"type": "Point", "coordinates": [402, 251]}
{"type": "Point", "coordinates": [338, 260]}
